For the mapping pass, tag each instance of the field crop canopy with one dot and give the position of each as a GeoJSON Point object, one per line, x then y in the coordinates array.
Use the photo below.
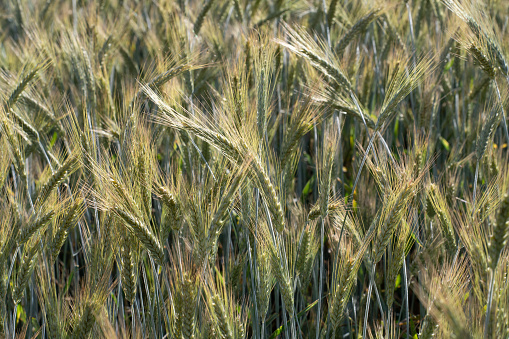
{"type": "Point", "coordinates": [254, 169]}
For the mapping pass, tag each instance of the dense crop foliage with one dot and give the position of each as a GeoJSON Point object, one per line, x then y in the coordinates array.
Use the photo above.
{"type": "Point", "coordinates": [249, 168]}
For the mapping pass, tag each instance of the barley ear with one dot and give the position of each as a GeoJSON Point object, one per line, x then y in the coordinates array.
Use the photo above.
{"type": "Point", "coordinates": [34, 226]}
{"type": "Point", "coordinates": [128, 270]}
{"type": "Point", "coordinates": [173, 213]}
{"type": "Point", "coordinates": [500, 233]}
{"type": "Point", "coordinates": [222, 317]}
{"type": "Point", "coordinates": [199, 20]}
{"type": "Point", "coordinates": [69, 166]}
{"type": "Point", "coordinates": [356, 29]}
{"type": "Point", "coordinates": [284, 280]}
{"type": "Point", "coordinates": [138, 229]}
{"type": "Point", "coordinates": [265, 285]}
{"type": "Point", "coordinates": [86, 321]}
{"type": "Point", "coordinates": [25, 271]}
{"type": "Point", "coordinates": [396, 210]}
{"type": "Point", "coordinates": [487, 130]}
{"type": "Point", "coordinates": [73, 214]}
{"type": "Point", "coordinates": [188, 300]}
{"type": "Point", "coordinates": [13, 98]}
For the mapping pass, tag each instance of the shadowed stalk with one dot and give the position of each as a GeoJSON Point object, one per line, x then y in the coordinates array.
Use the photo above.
{"type": "Point", "coordinates": [368, 302]}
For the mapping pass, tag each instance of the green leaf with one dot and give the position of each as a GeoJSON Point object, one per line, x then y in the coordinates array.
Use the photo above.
{"type": "Point", "coordinates": [114, 298]}
{"type": "Point", "coordinates": [218, 273]}
{"type": "Point", "coordinates": [413, 330]}
{"type": "Point", "coordinates": [68, 284]}
{"type": "Point", "coordinates": [414, 237]}
{"type": "Point", "coordinates": [308, 188]}
{"type": "Point", "coordinates": [445, 143]}
{"type": "Point", "coordinates": [20, 314]}
{"type": "Point", "coordinates": [449, 65]}
{"type": "Point", "coordinates": [35, 325]}
{"type": "Point", "coordinates": [308, 158]}
{"type": "Point", "coordinates": [53, 140]}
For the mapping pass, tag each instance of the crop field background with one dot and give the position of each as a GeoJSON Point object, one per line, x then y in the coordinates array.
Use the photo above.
{"type": "Point", "coordinates": [254, 169]}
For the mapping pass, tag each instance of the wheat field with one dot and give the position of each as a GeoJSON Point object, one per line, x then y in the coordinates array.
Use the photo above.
{"type": "Point", "coordinates": [254, 169]}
